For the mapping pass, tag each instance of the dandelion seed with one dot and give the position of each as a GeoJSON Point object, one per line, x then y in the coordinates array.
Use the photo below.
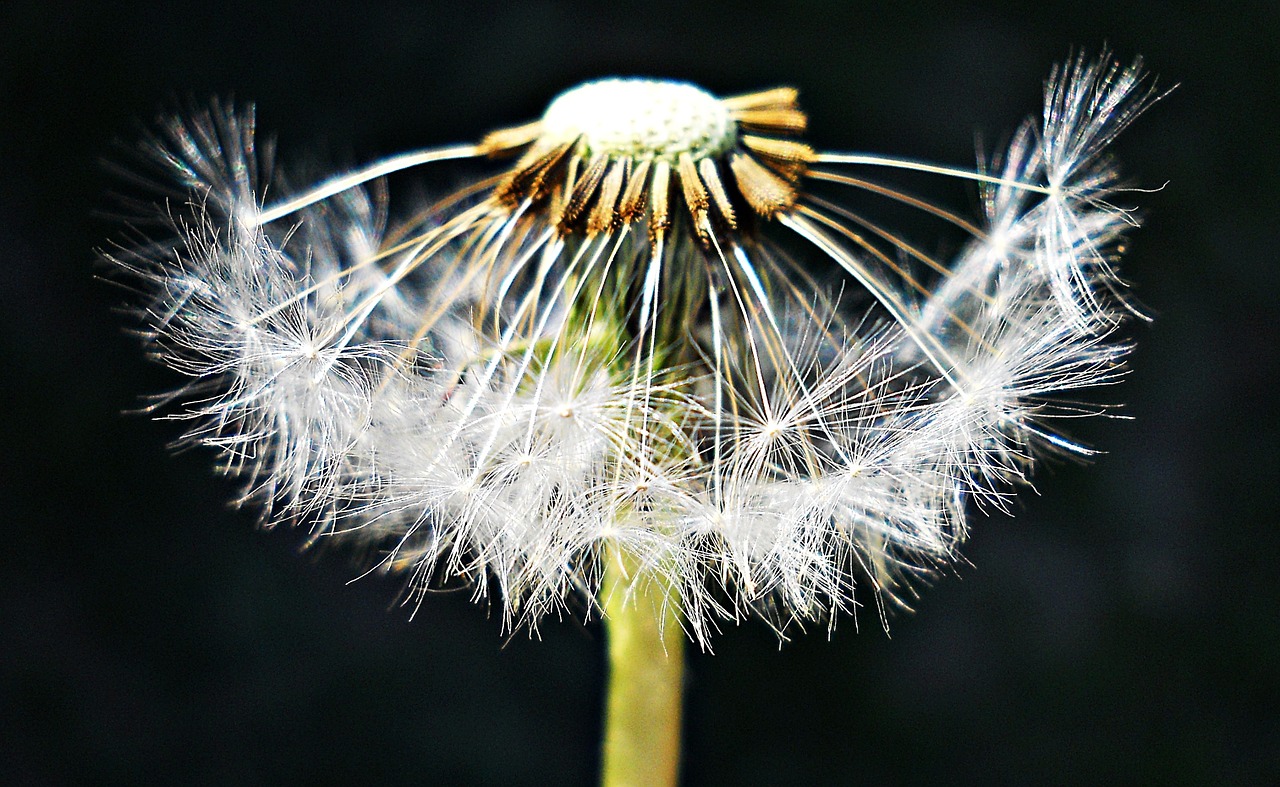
{"type": "Point", "coordinates": [624, 343]}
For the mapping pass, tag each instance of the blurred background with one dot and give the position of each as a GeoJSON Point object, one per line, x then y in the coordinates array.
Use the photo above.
{"type": "Point", "coordinates": [1122, 627]}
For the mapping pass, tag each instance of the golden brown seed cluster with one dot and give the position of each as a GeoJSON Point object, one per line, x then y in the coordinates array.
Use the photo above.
{"type": "Point", "coordinates": [590, 189]}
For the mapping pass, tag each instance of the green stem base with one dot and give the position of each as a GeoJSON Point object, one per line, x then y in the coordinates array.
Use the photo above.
{"type": "Point", "coordinates": [646, 674]}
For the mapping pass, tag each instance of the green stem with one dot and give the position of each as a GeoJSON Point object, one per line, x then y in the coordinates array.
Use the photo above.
{"type": "Point", "coordinates": [646, 671]}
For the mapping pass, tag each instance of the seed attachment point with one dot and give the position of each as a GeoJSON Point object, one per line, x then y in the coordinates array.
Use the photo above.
{"type": "Point", "coordinates": [641, 119]}
{"type": "Point", "coordinates": [607, 151]}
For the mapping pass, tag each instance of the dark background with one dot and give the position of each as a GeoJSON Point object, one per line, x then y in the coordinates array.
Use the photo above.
{"type": "Point", "coordinates": [1123, 627]}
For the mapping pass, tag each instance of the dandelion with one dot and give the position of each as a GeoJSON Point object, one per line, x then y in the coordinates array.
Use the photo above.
{"type": "Point", "coordinates": [656, 366]}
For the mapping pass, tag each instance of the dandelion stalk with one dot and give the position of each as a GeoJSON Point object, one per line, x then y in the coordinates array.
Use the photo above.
{"type": "Point", "coordinates": [641, 744]}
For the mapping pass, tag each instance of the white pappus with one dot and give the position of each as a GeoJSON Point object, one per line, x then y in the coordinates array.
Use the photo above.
{"type": "Point", "coordinates": [657, 329]}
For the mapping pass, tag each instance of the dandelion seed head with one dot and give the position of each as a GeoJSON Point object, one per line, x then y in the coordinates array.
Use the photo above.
{"type": "Point", "coordinates": [622, 342]}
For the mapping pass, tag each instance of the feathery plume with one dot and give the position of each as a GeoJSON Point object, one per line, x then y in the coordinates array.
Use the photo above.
{"type": "Point", "coordinates": [657, 331]}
